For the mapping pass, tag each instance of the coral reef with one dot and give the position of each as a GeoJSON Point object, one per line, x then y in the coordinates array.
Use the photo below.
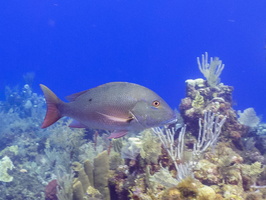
{"type": "Point", "coordinates": [90, 180]}
{"type": "Point", "coordinates": [215, 155]}
{"type": "Point", "coordinates": [217, 99]}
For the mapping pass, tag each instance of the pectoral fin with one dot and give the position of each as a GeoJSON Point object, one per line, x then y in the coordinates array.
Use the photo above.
{"type": "Point", "coordinates": [116, 118]}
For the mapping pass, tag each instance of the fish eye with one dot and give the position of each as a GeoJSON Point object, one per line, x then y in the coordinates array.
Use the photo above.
{"type": "Point", "coordinates": [156, 103]}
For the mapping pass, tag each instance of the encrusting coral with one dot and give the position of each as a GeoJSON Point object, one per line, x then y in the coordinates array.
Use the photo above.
{"type": "Point", "coordinates": [218, 99]}
{"type": "Point", "coordinates": [190, 189]}
{"type": "Point", "coordinates": [5, 165]}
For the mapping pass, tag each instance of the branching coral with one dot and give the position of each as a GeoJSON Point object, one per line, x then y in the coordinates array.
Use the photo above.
{"type": "Point", "coordinates": [64, 188]}
{"type": "Point", "coordinates": [212, 70]}
{"type": "Point", "coordinates": [248, 117]}
{"type": "Point", "coordinates": [208, 135]}
{"type": "Point", "coordinates": [132, 149]}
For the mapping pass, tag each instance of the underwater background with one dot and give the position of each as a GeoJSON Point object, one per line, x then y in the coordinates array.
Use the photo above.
{"type": "Point", "coordinates": [72, 46]}
{"type": "Point", "coordinates": [75, 45]}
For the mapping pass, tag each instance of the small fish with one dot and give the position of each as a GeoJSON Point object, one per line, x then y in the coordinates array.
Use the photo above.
{"type": "Point", "coordinates": [117, 106]}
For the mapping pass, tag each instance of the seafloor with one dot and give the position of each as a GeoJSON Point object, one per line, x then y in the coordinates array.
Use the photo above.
{"type": "Point", "coordinates": [219, 154]}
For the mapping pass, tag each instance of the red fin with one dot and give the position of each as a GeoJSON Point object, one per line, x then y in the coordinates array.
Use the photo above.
{"type": "Point", "coordinates": [52, 101]}
{"type": "Point", "coordinates": [77, 124]}
{"type": "Point", "coordinates": [117, 134]}
{"type": "Point", "coordinates": [73, 97]}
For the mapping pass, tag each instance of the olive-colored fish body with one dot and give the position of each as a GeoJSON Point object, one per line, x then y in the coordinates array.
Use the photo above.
{"type": "Point", "coordinates": [117, 106]}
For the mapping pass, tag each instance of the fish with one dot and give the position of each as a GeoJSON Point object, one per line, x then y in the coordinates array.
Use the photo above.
{"type": "Point", "coordinates": [119, 107]}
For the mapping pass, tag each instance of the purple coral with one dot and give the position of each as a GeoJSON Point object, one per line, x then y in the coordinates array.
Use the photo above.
{"type": "Point", "coordinates": [50, 190]}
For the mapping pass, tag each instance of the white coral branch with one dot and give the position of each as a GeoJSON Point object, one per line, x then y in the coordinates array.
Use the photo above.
{"type": "Point", "coordinates": [212, 70]}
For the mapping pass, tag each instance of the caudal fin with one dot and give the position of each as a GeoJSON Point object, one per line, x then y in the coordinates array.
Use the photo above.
{"type": "Point", "coordinates": [52, 101]}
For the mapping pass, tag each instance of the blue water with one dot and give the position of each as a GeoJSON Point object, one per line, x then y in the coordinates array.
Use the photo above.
{"type": "Point", "coordinates": [75, 45]}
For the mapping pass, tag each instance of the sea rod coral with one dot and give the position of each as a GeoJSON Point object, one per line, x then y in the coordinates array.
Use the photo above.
{"type": "Point", "coordinates": [208, 136]}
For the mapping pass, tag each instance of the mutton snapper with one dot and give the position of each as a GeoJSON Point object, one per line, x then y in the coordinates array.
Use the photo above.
{"type": "Point", "coordinates": [117, 106]}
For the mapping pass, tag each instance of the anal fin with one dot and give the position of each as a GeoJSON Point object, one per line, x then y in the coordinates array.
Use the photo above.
{"type": "Point", "coordinates": [76, 124]}
{"type": "Point", "coordinates": [117, 134]}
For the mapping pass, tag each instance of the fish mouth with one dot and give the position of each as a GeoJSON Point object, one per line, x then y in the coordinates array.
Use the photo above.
{"type": "Point", "coordinates": [173, 119]}
{"type": "Point", "coordinates": [170, 121]}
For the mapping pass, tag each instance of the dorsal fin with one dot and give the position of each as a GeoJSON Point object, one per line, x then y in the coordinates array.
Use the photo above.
{"type": "Point", "coordinates": [73, 97]}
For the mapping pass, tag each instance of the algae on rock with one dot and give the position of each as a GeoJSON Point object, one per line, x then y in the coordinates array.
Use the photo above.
{"type": "Point", "coordinates": [13, 149]}
{"type": "Point", "coordinates": [6, 164]}
{"type": "Point", "coordinates": [151, 147]}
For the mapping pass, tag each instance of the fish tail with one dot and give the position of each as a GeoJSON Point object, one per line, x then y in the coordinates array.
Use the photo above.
{"type": "Point", "coordinates": [53, 102]}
